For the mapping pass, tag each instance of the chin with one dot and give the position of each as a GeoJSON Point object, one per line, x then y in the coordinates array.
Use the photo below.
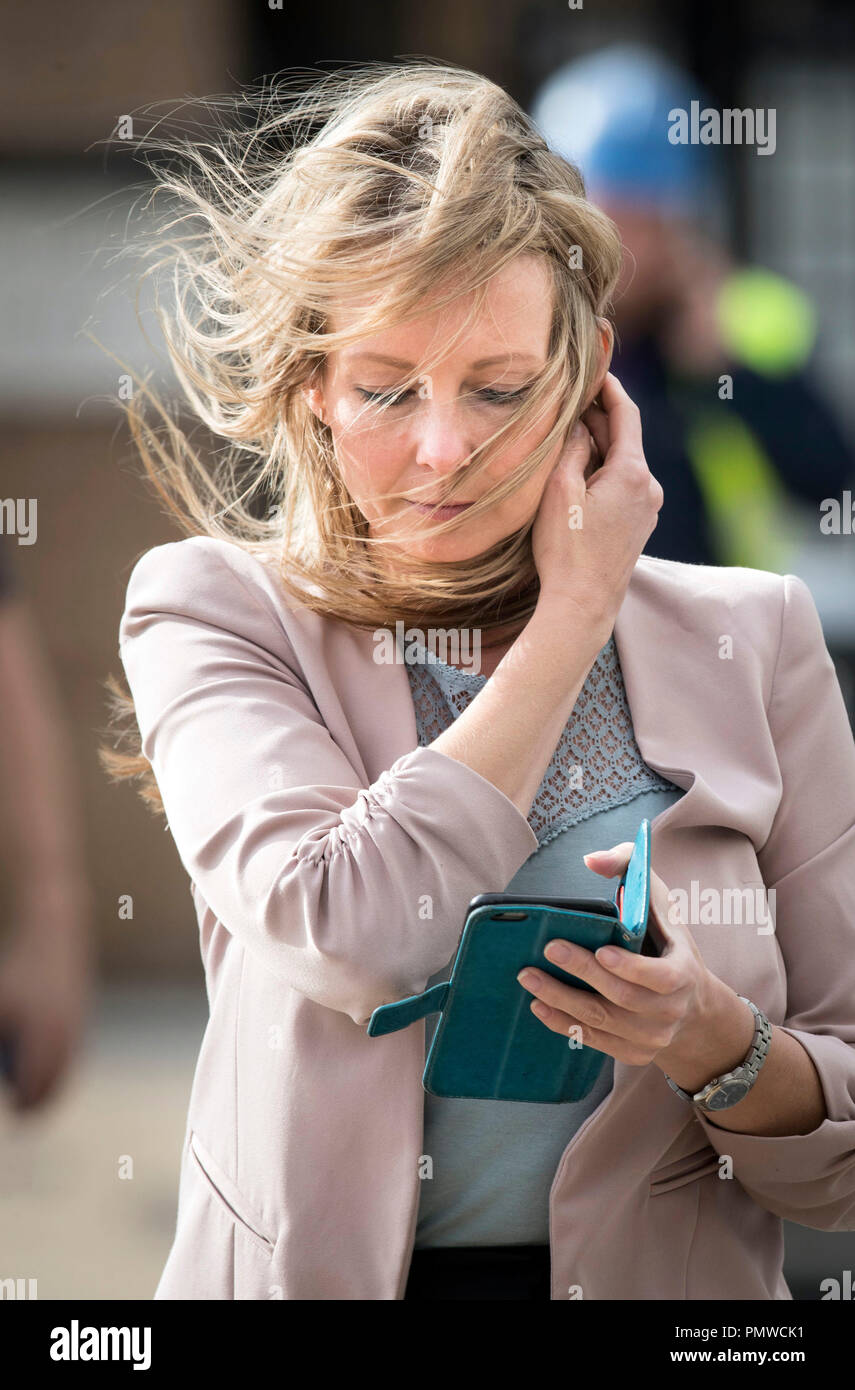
{"type": "Point", "coordinates": [438, 554]}
{"type": "Point", "coordinates": [446, 549]}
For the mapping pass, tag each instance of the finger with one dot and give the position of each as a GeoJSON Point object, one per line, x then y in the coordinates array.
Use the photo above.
{"type": "Point", "coordinates": [577, 452]}
{"type": "Point", "coordinates": [588, 1008]}
{"type": "Point", "coordinates": [578, 961]}
{"type": "Point", "coordinates": [659, 974]}
{"type": "Point", "coordinates": [594, 461]}
{"type": "Point", "coordinates": [610, 862]}
{"type": "Point", "coordinates": [582, 1033]}
{"type": "Point", "coordinates": [597, 422]}
{"type": "Point", "coordinates": [596, 1012]}
{"type": "Point", "coordinates": [623, 415]}
{"type": "Point", "coordinates": [649, 1029]}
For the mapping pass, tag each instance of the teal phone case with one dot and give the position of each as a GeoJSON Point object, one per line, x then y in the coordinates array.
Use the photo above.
{"type": "Point", "coordinates": [488, 1045]}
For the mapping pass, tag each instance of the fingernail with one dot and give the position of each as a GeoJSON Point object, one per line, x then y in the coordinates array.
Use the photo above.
{"type": "Point", "coordinates": [558, 953]}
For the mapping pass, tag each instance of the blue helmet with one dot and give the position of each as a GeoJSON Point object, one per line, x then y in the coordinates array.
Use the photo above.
{"type": "Point", "coordinates": [609, 114]}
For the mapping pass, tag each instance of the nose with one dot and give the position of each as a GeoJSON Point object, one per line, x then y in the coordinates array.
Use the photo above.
{"type": "Point", "coordinates": [441, 439]}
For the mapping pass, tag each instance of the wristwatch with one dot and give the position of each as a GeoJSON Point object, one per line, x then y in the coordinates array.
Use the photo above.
{"type": "Point", "coordinates": [726, 1090]}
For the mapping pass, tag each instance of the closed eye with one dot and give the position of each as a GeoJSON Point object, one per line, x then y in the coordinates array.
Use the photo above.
{"type": "Point", "coordinates": [487, 394]}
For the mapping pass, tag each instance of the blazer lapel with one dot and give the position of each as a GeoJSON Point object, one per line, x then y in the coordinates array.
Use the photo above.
{"type": "Point", "coordinates": [678, 698]}
{"type": "Point", "coordinates": [381, 719]}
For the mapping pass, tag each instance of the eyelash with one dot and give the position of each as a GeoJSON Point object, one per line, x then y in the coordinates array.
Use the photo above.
{"type": "Point", "coordinates": [491, 397]}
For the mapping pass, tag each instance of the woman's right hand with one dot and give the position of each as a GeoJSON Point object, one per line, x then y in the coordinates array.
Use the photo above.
{"type": "Point", "coordinates": [590, 530]}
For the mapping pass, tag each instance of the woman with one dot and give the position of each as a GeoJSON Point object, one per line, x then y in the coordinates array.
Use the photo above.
{"type": "Point", "coordinates": [396, 310]}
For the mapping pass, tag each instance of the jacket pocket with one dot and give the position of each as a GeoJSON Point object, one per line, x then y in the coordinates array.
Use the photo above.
{"type": "Point", "coordinates": [689, 1168]}
{"type": "Point", "coordinates": [226, 1192]}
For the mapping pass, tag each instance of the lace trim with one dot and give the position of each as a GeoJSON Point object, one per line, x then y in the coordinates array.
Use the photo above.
{"type": "Point", "coordinates": [597, 763]}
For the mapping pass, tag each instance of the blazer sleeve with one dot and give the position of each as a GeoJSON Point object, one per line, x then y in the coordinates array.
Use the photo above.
{"type": "Point", "coordinates": [809, 861]}
{"type": "Point", "coordinates": [352, 894]}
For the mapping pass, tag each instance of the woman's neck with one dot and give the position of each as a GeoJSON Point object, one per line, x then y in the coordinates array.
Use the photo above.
{"type": "Point", "coordinates": [458, 646]}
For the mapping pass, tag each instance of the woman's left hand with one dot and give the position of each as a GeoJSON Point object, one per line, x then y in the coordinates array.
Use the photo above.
{"type": "Point", "coordinates": [647, 1008]}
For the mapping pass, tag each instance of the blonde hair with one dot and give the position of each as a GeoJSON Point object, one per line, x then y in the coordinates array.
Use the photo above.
{"type": "Point", "coordinates": [406, 182]}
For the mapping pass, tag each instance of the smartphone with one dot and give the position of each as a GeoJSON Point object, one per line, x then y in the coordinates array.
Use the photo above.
{"type": "Point", "coordinates": [588, 930]}
{"type": "Point", "coordinates": [588, 922]}
{"type": "Point", "coordinates": [488, 1044]}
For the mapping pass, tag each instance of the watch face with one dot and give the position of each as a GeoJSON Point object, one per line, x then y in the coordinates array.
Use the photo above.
{"type": "Point", "coordinates": [727, 1094]}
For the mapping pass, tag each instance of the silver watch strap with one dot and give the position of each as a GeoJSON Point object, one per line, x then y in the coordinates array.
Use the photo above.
{"type": "Point", "coordinates": [747, 1071]}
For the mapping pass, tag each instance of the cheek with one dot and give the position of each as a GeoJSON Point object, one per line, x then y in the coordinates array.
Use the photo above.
{"type": "Point", "coordinates": [529, 494]}
{"type": "Point", "coordinates": [369, 458]}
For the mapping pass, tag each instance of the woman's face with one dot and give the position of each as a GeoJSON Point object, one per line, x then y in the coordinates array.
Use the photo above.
{"type": "Point", "coordinates": [426, 436]}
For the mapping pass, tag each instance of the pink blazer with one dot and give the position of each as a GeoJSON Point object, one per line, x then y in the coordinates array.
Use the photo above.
{"type": "Point", "coordinates": [310, 824]}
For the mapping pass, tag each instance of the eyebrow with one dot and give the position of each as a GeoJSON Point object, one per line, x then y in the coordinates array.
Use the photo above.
{"type": "Point", "coordinates": [482, 361]}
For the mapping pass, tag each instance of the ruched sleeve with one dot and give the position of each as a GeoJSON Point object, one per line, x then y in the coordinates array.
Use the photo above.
{"type": "Point", "coordinates": [352, 894]}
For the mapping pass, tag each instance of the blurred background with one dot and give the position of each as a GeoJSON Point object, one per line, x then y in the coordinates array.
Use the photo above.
{"type": "Point", "coordinates": [735, 336]}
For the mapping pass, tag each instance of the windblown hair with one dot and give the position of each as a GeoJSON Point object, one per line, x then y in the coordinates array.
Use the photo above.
{"type": "Point", "coordinates": [390, 185]}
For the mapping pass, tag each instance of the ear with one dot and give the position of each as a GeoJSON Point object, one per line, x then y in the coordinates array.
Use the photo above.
{"type": "Point", "coordinates": [313, 395]}
{"type": "Point", "coordinates": [607, 343]}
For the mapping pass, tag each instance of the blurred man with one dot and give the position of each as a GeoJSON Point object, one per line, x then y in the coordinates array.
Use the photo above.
{"type": "Point", "coordinates": [715, 356]}
{"type": "Point", "coordinates": [46, 956]}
